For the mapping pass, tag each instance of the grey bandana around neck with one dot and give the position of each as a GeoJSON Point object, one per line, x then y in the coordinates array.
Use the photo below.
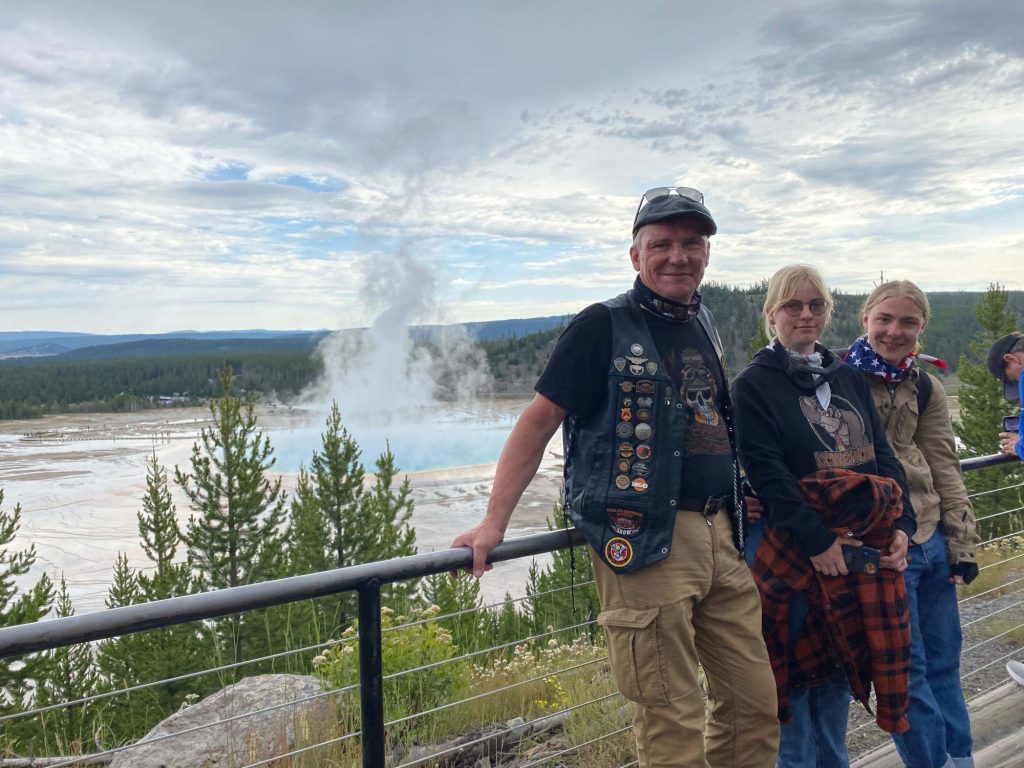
{"type": "Point", "coordinates": [813, 366]}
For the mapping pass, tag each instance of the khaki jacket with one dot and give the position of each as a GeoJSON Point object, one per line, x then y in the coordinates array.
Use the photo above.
{"type": "Point", "coordinates": [925, 447]}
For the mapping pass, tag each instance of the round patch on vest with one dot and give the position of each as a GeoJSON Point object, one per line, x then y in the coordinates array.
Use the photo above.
{"type": "Point", "coordinates": [624, 429]}
{"type": "Point", "coordinates": [636, 349]}
{"type": "Point", "coordinates": [644, 451]}
{"type": "Point", "coordinates": [621, 482]}
{"type": "Point", "coordinates": [618, 552]}
{"type": "Point", "coordinates": [623, 466]}
{"type": "Point", "coordinates": [643, 414]}
{"type": "Point", "coordinates": [643, 431]}
{"type": "Point", "coordinates": [639, 485]}
{"type": "Point", "coordinates": [640, 469]}
{"type": "Point", "coordinates": [625, 450]}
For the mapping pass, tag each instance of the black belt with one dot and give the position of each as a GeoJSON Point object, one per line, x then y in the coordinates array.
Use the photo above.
{"type": "Point", "coordinates": [706, 505]}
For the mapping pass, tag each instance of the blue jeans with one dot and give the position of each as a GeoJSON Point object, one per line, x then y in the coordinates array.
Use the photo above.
{"type": "Point", "coordinates": [816, 736]}
{"type": "Point", "coordinates": [940, 730]}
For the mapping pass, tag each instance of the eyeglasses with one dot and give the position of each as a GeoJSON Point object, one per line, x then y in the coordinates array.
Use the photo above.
{"type": "Point", "coordinates": [794, 307]}
{"type": "Point", "coordinates": [656, 193]}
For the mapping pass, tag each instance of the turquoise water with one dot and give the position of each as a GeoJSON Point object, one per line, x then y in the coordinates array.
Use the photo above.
{"type": "Point", "coordinates": [425, 439]}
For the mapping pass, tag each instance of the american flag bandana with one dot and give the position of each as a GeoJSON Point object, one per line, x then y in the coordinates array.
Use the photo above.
{"type": "Point", "coordinates": [863, 357]}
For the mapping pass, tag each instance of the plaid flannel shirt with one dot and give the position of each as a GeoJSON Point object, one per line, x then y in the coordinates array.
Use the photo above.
{"type": "Point", "coordinates": [859, 623]}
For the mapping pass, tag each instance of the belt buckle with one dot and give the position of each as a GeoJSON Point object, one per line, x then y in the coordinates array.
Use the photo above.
{"type": "Point", "coordinates": [711, 505]}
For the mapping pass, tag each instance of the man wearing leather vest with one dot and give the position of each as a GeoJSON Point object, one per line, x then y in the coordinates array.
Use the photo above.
{"type": "Point", "coordinates": [638, 384]}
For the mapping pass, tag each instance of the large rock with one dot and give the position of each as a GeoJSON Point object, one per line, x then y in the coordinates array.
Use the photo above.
{"type": "Point", "coordinates": [301, 713]}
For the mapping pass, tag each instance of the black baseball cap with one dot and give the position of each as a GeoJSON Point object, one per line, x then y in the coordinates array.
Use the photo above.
{"type": "Point", "coordinates": [663, 203]}
{"type": "Point", "coordinates": [1003, 346]}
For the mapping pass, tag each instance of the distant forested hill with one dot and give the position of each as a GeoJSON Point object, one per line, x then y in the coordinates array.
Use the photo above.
{"type": "Point", "coordinates": [144, 372]}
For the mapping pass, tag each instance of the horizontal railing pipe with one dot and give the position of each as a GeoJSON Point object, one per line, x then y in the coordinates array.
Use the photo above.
{"type": "Point", "coordinates": [984, 462]}
{"type": "Point", "coordinates": [87, 627]}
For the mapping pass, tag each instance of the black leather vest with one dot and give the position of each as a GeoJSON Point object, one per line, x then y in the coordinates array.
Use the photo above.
{"type": "Point", "coordinates": [623, 463]}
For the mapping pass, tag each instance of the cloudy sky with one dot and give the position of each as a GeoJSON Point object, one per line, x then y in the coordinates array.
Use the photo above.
{"type": "Point", "coordinates": [307, 165]}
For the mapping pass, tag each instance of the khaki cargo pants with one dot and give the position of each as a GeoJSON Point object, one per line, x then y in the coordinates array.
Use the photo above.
{"type": "Point", "coordinates": [698, 605]}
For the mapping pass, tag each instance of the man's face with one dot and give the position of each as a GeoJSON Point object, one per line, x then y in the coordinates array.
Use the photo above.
{"type": "Point", "coordinates": [1013, 364]}
{"type": "Point", "coordinates": [671, 258]}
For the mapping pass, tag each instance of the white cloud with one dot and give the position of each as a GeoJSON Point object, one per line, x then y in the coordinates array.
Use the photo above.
{"type": "Point", "coordinates": [236, 164]}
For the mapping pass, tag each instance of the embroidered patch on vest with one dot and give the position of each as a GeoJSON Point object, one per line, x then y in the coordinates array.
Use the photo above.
{"type": "Point", "coordinates": [618, 552]}
{"type": "Point", "coordinates": [625, 522]}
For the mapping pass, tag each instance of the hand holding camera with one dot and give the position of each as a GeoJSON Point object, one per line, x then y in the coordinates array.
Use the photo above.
{"type": "Point", "coordinates": [1010, 435]}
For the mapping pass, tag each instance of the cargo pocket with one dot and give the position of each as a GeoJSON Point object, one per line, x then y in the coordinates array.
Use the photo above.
{"type": "Point", "coordinates": [634, 651]}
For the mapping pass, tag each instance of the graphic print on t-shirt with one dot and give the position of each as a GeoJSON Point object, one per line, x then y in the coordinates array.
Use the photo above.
{"type": "Point", "coordinates": [840, 429]}
{"type": "Point", "coordinates": [705, 427]}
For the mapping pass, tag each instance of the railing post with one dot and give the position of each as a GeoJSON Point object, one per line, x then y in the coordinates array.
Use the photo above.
{"type": "Point", "coordinates": [371, 675]}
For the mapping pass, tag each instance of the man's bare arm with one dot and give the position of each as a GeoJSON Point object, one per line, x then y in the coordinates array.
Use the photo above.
{"type": "Point", "coordinates": [517, 466]}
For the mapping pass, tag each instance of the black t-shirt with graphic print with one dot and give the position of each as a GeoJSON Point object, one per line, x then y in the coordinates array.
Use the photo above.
{"type": "Point", "coordinates": [576, 378]}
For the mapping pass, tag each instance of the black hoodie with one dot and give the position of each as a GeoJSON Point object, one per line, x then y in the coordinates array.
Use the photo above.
{"type": "Point", "coordinates": [784, 435]}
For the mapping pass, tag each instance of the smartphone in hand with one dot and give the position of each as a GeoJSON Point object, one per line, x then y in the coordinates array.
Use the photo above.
{"type": "Point", "coordinates": [862, 559]}
{"type": "Point", "coordinates": [1011, 423]}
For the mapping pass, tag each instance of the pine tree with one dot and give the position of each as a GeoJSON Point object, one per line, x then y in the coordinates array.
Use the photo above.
{"type": "Point", "coordinates": [120, 662]}
{"type": "Point", "coordinates": [233, 535]}
{"type": "Point", "coordinates": [452, 594]}
{"type": "Point", "coordinates": [69, 675]}
{"type": "Point", "coordinates": [758, 341]}
{"type": "Point", "coordinates": [336, 522]}
{"type": "Point", "coordinates": [159, 654]}
{"type": "Point", "coordinates": [19, 607]}
{"type": "Point", "coordinates": [387, 515]}
{"type": "Point", "coordinates": [548, 603]}
{"type": "Point", "coordinates": [310, 621]}
{"type": "Point", "coordinates": [509, 624]}
{"type": "Point", "coordinates": [982, 408]}
{"type": "Point", "coordinates": [333, 504]}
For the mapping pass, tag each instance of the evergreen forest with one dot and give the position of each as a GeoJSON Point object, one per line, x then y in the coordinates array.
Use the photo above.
{"type": "Point", "coordinates": [133, 376]}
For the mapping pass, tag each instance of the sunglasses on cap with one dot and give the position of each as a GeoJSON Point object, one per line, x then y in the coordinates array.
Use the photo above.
{"type": "Point", "coordinates": [657, 193]}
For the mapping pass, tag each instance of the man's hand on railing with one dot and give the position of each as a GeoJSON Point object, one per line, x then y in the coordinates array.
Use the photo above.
{"type": "Point", "coordinates": [481, 538]}
{"type": "Point", "coordinates": [1008, 442]}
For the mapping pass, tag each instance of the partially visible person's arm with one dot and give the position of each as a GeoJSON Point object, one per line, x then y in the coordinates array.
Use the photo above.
{"type": "Point", "coordinates": [517, 466]}
{"type": "Point", "coordinates": [934, 438]}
